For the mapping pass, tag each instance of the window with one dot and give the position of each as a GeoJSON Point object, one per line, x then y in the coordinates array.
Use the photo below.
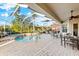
{"type": "Point", "coordinates": [64, 28]}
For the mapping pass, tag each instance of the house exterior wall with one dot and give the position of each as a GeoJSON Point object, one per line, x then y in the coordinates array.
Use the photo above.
{"type": "Point", "coordinates": [70, 23]}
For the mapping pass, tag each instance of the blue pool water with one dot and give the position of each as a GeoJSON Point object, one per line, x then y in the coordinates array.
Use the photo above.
{"type": "Point", "coordinates": [26, 38]}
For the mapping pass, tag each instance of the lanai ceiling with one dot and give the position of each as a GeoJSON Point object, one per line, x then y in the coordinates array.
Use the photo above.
{"type": "Point", "coordinates": [63, 10]}
{"type": "Point", "coordinates": [57, 11]}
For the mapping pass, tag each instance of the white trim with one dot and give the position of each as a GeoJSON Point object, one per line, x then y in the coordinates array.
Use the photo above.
{"type": "Point", "coordinates": [7, 43]}
{"type": "Point", "coordinates": [15, 10]}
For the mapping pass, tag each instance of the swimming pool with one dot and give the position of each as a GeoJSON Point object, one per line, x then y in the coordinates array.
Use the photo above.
{"type": "Point", "coordinates": [26, 38]}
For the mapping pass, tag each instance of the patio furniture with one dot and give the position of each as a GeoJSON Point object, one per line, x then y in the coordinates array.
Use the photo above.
{"type": "Point", "coordinates": [71, 41]}
{"type": "Point", "coordinates": [62, 39]}
{"type": "Point", "coordinates": [67, 39]}
{"type": "Point", "coordinates": [77, 39]}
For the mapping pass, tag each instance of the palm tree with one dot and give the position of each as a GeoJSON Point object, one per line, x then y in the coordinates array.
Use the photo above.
{"type": "Point", "coordinates": [18, 24]}
{"type": "Point", "coordinates": [33, 18]}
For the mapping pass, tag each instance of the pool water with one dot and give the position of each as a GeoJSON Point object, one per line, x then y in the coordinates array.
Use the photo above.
{"type": "Point", "coordinates": [26, 38]}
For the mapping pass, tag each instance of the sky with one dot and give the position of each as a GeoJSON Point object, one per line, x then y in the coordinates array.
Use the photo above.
{"type": "Point", "coordinates": [7, 9]}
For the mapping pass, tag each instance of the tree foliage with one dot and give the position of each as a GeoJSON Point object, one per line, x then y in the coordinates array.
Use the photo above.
{"type": "Point", "coordinates": [18, 25]}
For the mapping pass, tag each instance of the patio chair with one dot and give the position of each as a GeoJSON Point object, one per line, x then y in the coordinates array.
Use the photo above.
{"type": "Point", "coordinates": [62, 39]}
{"type": "Point", "coordinates": [67, 40]}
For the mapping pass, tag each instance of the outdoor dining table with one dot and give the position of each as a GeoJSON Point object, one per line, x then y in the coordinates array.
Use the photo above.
{"type": "Point", "coordinates": [75, 38]}
{"type": "Point", "coordinates": [72, 38]}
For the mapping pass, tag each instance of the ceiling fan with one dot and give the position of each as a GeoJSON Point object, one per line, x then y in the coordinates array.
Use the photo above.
{"type": "Point", "coordinates": [70, 18]}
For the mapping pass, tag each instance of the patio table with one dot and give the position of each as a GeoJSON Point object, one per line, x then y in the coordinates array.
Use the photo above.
{"type": "Point", "coordinates": [74, 38]}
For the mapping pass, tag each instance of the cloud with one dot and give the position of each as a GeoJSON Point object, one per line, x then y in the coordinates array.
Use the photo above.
{"type": "Point", "coordinates": [5, 14]}
{"type": "Point", "coordinates": [7, 6]}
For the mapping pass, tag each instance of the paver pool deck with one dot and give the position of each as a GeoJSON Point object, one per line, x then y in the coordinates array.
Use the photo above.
{"type": "Point", "coordinates": [46, 46]}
